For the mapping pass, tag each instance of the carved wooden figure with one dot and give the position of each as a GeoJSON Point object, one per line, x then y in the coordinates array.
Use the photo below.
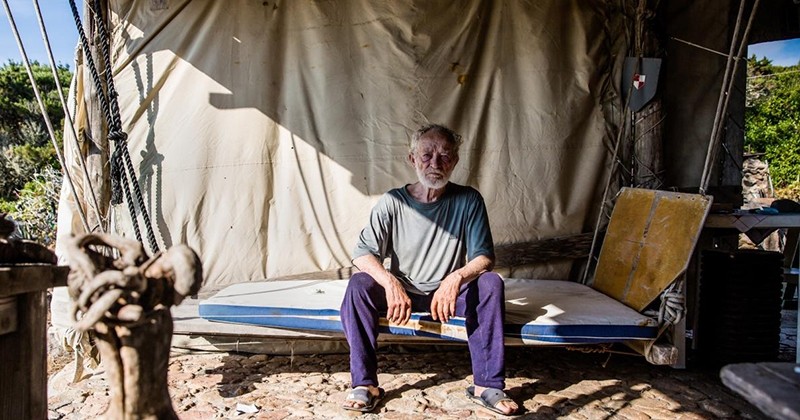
{"type": "Point", "coordinates": [126, 301]}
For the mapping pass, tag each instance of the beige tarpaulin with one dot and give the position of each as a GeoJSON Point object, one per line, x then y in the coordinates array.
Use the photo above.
{"type": "Point", "coordinates": [263, 132]}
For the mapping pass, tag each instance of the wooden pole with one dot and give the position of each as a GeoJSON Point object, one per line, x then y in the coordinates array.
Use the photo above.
{"type": "Point", "coordinates": [647, 148]}
{"type": "Point", "coordinates": [23, 371]}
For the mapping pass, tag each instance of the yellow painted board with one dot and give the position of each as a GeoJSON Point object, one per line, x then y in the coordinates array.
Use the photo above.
{"type": "Point", "coordinates": [623, 240]}
{"type": "Point", "coordinates": [650, 239]}
{"type": "Point", "coordinates": [629, 218]}
{"type": "Point", "coordinates": [669, 243]}
{"type": "Point", "coordinates": [615, 266]}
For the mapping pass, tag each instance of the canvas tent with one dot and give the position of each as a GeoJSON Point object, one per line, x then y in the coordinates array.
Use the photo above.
{"type": "Point", "coordinates": [263, 132]}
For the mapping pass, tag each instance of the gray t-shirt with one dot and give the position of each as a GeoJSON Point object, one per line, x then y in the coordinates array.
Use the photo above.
{"type": "Point", "coordinates": [427, 241]}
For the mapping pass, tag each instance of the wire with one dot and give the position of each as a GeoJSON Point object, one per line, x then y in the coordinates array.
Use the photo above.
{"type": "Point", "coordinates": [107, 96]}
{"type": "Point", "coordinates": [45, 115]}
{"type": "Point", "coordinates": [68, 116]}
{"type": "Point", "coordinates": [724, 94]}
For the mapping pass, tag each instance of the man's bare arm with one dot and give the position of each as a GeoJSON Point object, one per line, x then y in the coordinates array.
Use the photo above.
{"type": "Point", "coordinates": [398, 303]}
{"type": "Point", "coordinates": [443, 305]}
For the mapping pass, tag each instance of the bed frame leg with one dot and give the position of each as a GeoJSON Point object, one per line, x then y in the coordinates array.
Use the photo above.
{"type": "Point", "coordinates": [679, 341]}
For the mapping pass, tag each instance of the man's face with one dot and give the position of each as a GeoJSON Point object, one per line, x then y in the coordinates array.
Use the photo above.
{"type": "Point", "coordinates": [434, 160]}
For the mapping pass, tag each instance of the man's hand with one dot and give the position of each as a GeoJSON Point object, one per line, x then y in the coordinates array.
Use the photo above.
{"type": "Point", "coordinates": [443, 305]}
{"type": "Point", "coordinates": [398, 303]}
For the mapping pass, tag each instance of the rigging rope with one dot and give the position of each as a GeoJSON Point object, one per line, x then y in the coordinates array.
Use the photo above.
{"type": "Point", "coordinates": [724, 94]}
{"type": "Point", "coordinates": [68, 116]}
{"type": "Point", "coordinates": [45, 115]}
{"type": "Point", "coordinates": [120, 158]}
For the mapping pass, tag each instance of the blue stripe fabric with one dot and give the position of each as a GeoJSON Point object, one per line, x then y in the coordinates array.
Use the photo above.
{"type": "Point", "coordinates": [328, 320]}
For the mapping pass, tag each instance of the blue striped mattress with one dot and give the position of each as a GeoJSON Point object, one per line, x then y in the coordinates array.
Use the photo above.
{"type": "Point", "coordinates": [538, 312]}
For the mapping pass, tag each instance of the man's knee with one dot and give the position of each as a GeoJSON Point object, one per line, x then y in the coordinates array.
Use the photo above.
{"type": "Point", "coordinates": [360, 284]}
{"type": "Point", "coordinates": [361, 280]}
{"type": "Point", "coordinates": [491, 282]}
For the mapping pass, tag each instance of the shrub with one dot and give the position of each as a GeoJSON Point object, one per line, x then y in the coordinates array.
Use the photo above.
{"type": "Point", "coordinates": [35, 207]}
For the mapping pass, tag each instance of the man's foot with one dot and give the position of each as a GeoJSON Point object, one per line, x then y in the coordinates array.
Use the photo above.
{"type": "Point", "coordinates": [363, 398]}
{"type": "Point", "coordinates": [493, 399]}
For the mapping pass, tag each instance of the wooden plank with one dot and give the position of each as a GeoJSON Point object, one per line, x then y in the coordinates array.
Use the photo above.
{"type": "Point", "coordinates": [623, 242]}
{"type": "Point", "coordinates": [23, 373]}
{"type": "Point", "coordinates": [746, 221]}
{"type": "Point", "coordinates": [8, 315]}
{"type": "Point", "coordinates": [672, 233]}
{"type": "Point", "coordinates": [772, 387]}
{"type": "Point", "coordinates": [20, 279]}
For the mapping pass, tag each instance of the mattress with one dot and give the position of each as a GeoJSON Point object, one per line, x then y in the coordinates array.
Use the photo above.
{"type": "Point", "coordinates": [538, 312]}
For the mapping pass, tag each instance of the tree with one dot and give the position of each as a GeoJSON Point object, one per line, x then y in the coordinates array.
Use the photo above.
{"type": "Point", "coordinates": [772, 118]}
{"type": "Point", "coordinates": [31, 176]}
{"type": "Point", "coordinates": [21, 121]}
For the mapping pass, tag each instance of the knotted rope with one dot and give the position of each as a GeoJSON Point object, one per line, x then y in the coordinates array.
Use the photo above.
{"type": "Point", "coordinates": [121, 165]}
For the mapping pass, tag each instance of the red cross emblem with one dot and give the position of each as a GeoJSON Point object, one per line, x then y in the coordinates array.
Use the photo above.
{"type": "Point", "coordinates": [638, 81]}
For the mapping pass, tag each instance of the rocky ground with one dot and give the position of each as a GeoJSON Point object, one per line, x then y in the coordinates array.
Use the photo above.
{"type": "Point", "coordinates": [547, 382]}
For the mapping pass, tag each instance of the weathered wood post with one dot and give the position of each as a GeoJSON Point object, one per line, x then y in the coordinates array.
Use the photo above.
{"type": "Point", "coordinates": [27, 270]}
{"type": "Point", "coordinates": [648, 122]}
{"type": "Point", "coordinates": [23, 338]}
{"type": "Point", "coordinates": [126, 302]}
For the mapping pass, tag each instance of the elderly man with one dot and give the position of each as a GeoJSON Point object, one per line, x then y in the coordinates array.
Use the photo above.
{"type": "Point", "coordinates": [437, 236]}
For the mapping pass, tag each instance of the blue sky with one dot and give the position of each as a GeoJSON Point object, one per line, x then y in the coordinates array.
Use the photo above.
{"type": "Point", "coordinates": [64, 37]}
{"type": "Point", "coordinates": [782, 53]}
{"type": "Point", "coordinates": [60, 29]}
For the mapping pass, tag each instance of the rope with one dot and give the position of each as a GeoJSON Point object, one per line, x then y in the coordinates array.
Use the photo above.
{"type": "Point", "coordinates": [118, 134]}
{"type": "Point", "coordinates": [45, 115]}
{"type": "Point", "coordinates": [673, 306]}
{"type": "Point", "coordinates": [670, 312]}
{"type": "Point", "coordinates": [68, 116]}
{"type": "Point", "coordinates": [616, 163]}
{"type": "Point", "coordinates": [614, 160]}
{"type": "Point", "coordinates": [724, 94]}
{"type": "Point", "coordinates": [120, 158]}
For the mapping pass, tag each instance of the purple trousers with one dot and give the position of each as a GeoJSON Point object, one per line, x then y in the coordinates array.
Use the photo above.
{"type": "Point", "coordinates": [481, 302]}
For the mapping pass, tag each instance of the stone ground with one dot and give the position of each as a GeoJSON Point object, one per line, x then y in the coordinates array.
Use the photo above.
{"type": "Point", "coordinates": [426, 384]}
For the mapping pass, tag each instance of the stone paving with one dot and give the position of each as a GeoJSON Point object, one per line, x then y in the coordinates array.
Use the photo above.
{"type": "Point", "coordinates": [422, 384]}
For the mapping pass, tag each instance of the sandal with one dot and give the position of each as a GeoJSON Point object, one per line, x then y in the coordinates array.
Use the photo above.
{"type": "Point", "coordinates": [362, 395]}
{"type": "Point", "coordinates": [489, 399]}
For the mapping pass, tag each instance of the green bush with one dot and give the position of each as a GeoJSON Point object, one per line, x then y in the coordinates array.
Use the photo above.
{"type": "Point", "coordinates": [20, 164]}
{"type": "Point", "coordinates": [35, 208]}
{"type": "Point", "coordinates": [31, 178]}
{"type": "Point", "coordinates": [772, 118]}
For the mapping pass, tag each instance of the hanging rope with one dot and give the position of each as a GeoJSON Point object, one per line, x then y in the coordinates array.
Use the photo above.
{"type": "Point", "coordinates": [121, 165]}
{"type": "Point", "coordinates": [45, 115]}
{"type": "Point", "coordinates": [70, 121]}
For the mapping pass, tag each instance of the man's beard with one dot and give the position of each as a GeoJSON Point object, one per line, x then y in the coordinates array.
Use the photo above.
{"type": "Point", "coordinates": [432, 183]}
